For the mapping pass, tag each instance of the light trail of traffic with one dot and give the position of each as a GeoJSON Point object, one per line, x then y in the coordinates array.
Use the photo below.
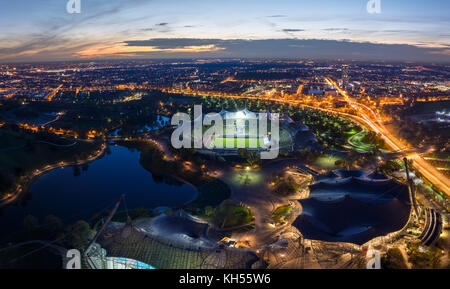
{"type": "Point", "coordinates": [427, 170]}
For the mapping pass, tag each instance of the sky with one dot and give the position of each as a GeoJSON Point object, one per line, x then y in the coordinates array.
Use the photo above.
{"type": "Point", "coordinates": [405, 30]}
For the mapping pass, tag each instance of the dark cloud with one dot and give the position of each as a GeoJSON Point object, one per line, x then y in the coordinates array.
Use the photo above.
{"type": "Point", "coordinates": [297, 48]}
{"type": "Point", "coordinates": [292, 30]}
{"type": "Point", "coordinates": [174, 43]}
{"type": "Point", "coordinates": [335, 29]}
{"type": "Point", "coordinates": [400, 31]}
{"type": "Point", "coordinates": [54, 40]}
{"type": "Point", "coordinates": [163, 27]}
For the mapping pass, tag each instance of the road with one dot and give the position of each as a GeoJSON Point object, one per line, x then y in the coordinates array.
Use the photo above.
{"type": "Point", "coordinates": [258, 196]}
{"type": "Point", "coordinates": [427, 170]}
{"type": "Point", "coordinates": [52, 94]}
{"type": "Point", "coordinates": [356, 141]}
{"type": "Point", "coordinates": [58, 116]}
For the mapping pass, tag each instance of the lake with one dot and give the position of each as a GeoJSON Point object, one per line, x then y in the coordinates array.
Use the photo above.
{"type": "Point", "coordinates": [71, 197]}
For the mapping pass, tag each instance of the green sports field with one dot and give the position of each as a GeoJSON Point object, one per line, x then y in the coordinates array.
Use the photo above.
{"type": "Point", "coordinates": [238, 142]}
{"type": "Point", "coordinates": [285, 141]}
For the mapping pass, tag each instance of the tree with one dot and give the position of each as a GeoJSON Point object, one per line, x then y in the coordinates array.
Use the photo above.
{"type": "Point", "coordinates": [30, 223]}
{"type": "Point", "coordinates": [286, 186]}
{"type": "Point", "coordinates": [85, 167]}
{"type": "Point", "coordinates": [340, 163]}
{"type": "Point", "coordinates": [18, 171]}
{"type": "Point", "coordinates": [77, 235]}
{"type": "Point", "coordinates": [242, 153]}
{"type": "Point", "coordinates": [393, 260]}
{"type": "Point", "coordinates": [424, 257]}
{"type": "Point", "coordinates": [209, 211]}
{"type": "Point", "coordinates": [5, 182]}
{"type": "Point", "coordinates": [53, 225]}
{"type": "Point", "coordinates": [250, 157]}
{"type": "Point", "coordinates": [76, 171]}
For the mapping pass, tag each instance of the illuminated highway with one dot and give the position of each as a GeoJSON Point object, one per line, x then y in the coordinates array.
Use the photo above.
{"type": "Point", "coordinates": [427, 170]}
{"type": "Point", "coordinates": [52, 94]}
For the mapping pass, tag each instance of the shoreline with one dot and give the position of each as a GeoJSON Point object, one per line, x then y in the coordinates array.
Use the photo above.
{"type": "Point", "coordinates": [22, 186]}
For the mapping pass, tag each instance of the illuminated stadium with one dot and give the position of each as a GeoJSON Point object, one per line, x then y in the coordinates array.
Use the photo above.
{"type": "Point", "coordinates": [237, 132]}
{"type": "Point", "coordinates": [241, 129]}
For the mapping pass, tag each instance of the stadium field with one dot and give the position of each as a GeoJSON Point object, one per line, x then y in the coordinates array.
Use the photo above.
{"type": "Point", "coordinates": [238, 142]}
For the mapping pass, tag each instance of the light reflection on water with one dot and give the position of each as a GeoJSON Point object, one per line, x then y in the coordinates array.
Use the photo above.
{"type": "Point", "coordinates": [71, 198]}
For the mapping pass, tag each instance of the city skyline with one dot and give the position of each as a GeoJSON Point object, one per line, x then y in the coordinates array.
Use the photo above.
{"type": "Point", "coordinates": [403, 31]}
{"type": "Point", "coordinates": [234, 135]}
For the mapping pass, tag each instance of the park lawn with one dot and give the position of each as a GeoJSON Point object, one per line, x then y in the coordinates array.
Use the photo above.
{"type": "Point", "coordinates": [352, 132]}
{"type": "Point", "coordinates": [280, 213]}
{"type": "Point", "coordinates": [327, 162]}
{"type": "Point", "coordinates": [211, 194]}
{"type": "Point", "coordinates": [358, 141]}
{"type": "Point", "coordinates": [230, 215]}
{"type": "Point", "coordinates": [282, 210]}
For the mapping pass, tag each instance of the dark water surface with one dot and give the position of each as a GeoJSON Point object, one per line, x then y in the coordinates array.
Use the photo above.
{"type": "Point", "coordinates": [63, 194]}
